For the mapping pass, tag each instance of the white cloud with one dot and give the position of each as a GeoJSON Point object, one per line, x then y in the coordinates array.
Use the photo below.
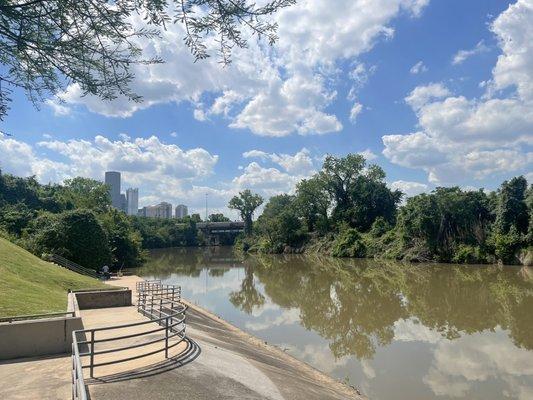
{"type": "Point", "coordinates": [141, 158]}
{"type": "Point", "coordinates": [199, 114]}
{"type": "Point", "coordinates": [409, 188]}
{"type": "Point", "coordinates": [514, 67]}
{"type": "Point", "coordinates": [224, 103]}
{"type": "Point", "coordinates": [422, 95]}
{"type": "Point", "coordinates": [293, 105]}
{"type": "Point", "coordinates": [301, 163]}
{"type": "Point", "coordinates": [461, 139]}
{"type": "Point", "coordinates": [271, 91]}
{"type": "Point", "coordinates": [462, 55]}
{"type": "Point", "coordinates": [270, 181]}
{"type": "Point", "coordinates": [58, 107]}
{"type": "Point", "coordinates": [359, 76]}
{"type": "Point", "coordinates": [19, 158]}
{"type": "Point", "coordinates": [256, 154]}
{"type": "Point", "coordinates": [266, 181]}
{"type": "Point", "coordinates": [160, 171]}
{"type": "Point", "coordinates": [368, 154]}
{"type": "Point", "coordinates": [355, 111]}
{"type": "Point", "coordinates": [418, 68]}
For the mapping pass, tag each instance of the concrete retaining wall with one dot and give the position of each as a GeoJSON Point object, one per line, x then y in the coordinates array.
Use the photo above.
{"type": "Point", "coordinates": [103, 299]}
{"type": "Point", "coordinates": [37, 337]}
{"type": "Point", "coordinates": [47, 336]}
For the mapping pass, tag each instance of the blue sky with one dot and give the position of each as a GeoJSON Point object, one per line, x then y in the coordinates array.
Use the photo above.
{"type": "Point", "coordinates": [436, 92]}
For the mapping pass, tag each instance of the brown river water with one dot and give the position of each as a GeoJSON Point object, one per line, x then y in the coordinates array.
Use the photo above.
{"type": "Point", "coordinates": [395, 331]}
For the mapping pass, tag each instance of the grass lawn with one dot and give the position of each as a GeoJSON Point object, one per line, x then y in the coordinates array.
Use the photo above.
{"type": "Point", "coordinates": [29, 285]}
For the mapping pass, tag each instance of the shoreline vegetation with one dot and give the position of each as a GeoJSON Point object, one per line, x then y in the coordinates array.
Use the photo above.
{"type": "Point", "coordinates": [347, 210]}
{"type": "Point", "coordinates": [344, 210]}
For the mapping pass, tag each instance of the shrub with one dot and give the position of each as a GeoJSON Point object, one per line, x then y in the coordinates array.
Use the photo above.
{"type": "Point", "coordinates": [379, 227]}
{"type": "Point", "coordinates": [466, 254]}
{"type": "Point", "coordinates": [76, 235]}
{"type": "Point", "coordinates": [506, 245]}
{"type": "Point", "coordinates": [349, 243]}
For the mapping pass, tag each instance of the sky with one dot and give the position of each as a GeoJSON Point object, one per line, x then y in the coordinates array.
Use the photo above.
{"type": "Point", "coordinates": [438, 93]}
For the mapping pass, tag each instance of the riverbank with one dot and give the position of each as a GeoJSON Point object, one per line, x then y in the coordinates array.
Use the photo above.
{"type": "Point", "coordinates": [352, 244]}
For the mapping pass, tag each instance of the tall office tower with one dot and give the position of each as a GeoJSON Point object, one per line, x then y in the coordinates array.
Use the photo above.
{"type": "Point", "coordinates": [132, 196]}
{"type": "Point", "coordinates": [161, 210]}
{"type": "Point", "coordinates": [181, 211]}
{"type": "Point", "coordinates": [164, 210]}
{"type": "Point", "coordinates": [112, 179]}
{"type": "Point", "coordinates": [123, 202]}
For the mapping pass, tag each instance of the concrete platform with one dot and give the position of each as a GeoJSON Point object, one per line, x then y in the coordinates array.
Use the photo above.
{"type": "Point", "coordinates": [36, 378]}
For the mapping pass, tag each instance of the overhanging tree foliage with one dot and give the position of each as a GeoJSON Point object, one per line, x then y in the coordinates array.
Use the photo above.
{"type": "Point", "coordinates": [48, 44]}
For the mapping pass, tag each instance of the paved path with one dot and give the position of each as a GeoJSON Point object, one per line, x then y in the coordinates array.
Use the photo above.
{"type": "Point", "coordinates": [44, 378]}
{"type": "Point", "coordinates": [218, 362]}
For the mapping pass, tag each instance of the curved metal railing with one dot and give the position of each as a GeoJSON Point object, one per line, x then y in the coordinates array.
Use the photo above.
{"type": "Point", "coordinates": [160, 303]}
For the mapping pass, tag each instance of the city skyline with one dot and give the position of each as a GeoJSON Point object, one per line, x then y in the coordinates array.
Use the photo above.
{"type": "Point", "coordinates": [129, 202]}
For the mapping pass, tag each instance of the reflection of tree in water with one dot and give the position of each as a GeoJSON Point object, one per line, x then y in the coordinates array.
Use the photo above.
{"type": "Point", "coordinates": [354, 304]}
{"type": "Point", "coordinates": [186, 261]}
{"type": "Point", "coordinates": [248, 297]}
{"type": "Point", "coordinates": [217, 272]}
{"type": "Point", "coordinates": [353, 311]}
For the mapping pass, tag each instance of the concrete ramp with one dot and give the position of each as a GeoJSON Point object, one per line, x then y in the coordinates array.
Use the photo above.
{"type": "Point", "coordinates": [228, 364]}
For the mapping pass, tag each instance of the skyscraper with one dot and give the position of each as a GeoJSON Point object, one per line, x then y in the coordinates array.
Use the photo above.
{"type": "Point", "coordinates": [123, 202]}
{"type": "Point", "coordinates": [132, 196]}
{"type": "Point", "coordinates": [181, 211]}
{"type": "Point", "coordinates": [164, 210]}
{"type": "Point", "coordinates": [161, 210]}
{"type": "Point", "coordinates": [112, 180]}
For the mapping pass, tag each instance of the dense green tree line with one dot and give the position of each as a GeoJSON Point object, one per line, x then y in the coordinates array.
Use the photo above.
{"type": "Point", "coordinates": [76, 220]}
{"type": "Point", "coordinates": [347, 210]}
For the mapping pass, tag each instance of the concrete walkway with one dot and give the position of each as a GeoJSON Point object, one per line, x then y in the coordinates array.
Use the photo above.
{"type": "Point", "coordinates": [44, 378]}
{"type": "Point", "coordinates": [218, 361]}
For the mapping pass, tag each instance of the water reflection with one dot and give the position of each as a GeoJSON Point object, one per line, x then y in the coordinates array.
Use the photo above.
{"type": "Point", "coordinates": [396, 331]}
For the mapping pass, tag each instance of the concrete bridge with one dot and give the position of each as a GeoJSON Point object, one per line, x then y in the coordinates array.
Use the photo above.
{"type": "Point", "coordinates": [220, 232]}
{"type": "Point", "coordinates": [221, 227]}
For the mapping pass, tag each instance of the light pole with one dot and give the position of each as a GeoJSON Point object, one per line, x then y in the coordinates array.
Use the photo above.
{"type": "Point", "coordinates": [206, 207]}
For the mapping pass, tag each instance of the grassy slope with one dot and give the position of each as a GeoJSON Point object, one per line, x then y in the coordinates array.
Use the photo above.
{"type": "Point", "coordinates": [29, 285]}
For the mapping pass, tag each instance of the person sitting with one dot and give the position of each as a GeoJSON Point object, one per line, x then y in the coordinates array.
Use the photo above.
{"type": "Point", "coordinates": [105, 272]}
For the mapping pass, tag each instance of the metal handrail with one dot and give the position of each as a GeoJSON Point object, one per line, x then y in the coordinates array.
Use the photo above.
{"type": "Point", "coordinates": [78, 384]}
{"type": "Point", "coordinates": [36, 316]}
{"type": "Point", "coordinates": [66, 263]}
{"type": "Point", "coordinates": [171, 314]}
